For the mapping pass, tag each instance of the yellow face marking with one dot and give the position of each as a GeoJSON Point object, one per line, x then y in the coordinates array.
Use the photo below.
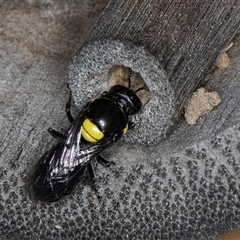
{"type": "Point", "coordinates": [87, 137]}
{"type": "Point", "coordinates": [91, 132]}
{"type": "Point", "coordinates": [125, 129]}
{"type": "Point", "coordinates": [93, 99]}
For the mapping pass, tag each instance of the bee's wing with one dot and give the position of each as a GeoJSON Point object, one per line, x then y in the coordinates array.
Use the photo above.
{"type": "Point", "coordinates": [59, 165]}
{"type": "Point", "coordinates": [67, 159]}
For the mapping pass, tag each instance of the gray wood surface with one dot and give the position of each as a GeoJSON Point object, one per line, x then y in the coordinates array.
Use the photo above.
{"type": "Point", "coordinates": [172, 44]}
{"type": "Point", "coordinates": [185, 187]}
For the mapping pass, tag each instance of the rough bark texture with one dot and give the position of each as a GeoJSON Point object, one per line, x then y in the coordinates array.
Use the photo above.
{"type": "Point", "coordinates": [172, 44]}
{"type": "Point", "coordinates": [186, 187]}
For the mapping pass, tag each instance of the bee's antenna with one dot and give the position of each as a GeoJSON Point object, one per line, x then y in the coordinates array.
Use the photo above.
{"type": "Point", "coordinates": [129, 77]}
{"type": "Point", "coordinates": [141, 88]}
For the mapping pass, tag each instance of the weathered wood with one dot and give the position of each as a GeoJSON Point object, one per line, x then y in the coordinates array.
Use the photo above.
{"type": "Point", "coordinates": [171, 44]}
{"type": "Point", "coordinates": [184, 188]}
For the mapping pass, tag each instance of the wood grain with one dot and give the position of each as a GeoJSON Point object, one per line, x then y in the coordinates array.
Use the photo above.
{"type": "Point", "coordinates": [186, 37]}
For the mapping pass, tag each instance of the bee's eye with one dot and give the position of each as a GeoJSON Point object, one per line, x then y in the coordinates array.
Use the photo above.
{"type": "Point", "coordinates": [91, 132]}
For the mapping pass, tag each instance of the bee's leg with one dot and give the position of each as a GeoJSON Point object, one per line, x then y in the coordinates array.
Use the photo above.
{"type": "Point", "coordinates": [54, 199]}
{"type": "Point", "coordinates": [92, 177]}
{"type": "Point", "coordinates": [91, 173]}
{"type": "Point", "coordinates": [103, 161]}
{"type": "Point", "coordinates": [131, 125]}
{"type": "Point", "coordinates": [56, 134]}
{"type": "Point", "coordinates": [68, 108]}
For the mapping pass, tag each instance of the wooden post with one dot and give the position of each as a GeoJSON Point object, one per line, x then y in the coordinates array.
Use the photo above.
{"type": "Point", "coordinates": [172, 44]}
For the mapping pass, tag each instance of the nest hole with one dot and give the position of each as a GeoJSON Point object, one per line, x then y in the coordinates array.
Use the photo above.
{"type": "Point", "coordinates": [125, 76]}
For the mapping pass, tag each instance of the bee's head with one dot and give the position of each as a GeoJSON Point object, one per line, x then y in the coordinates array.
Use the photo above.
{"type": "Point", "coordinates": [126, 99]}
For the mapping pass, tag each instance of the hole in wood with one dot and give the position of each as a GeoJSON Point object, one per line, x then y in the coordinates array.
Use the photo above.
{"type": "Point", "coordinates": [121, 75]}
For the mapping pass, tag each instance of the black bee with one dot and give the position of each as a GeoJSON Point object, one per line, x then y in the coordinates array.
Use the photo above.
{"type": "Point", "coordinates": [100, 124]}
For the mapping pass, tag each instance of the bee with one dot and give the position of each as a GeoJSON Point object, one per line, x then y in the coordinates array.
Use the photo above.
{"type": "Point", "coordinates": [99, 125]}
